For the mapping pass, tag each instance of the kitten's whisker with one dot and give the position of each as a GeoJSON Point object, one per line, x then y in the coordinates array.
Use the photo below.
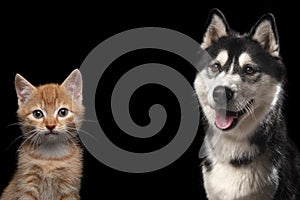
{"type": "Point", "coordinates": [25, 141]}
{"type": "Point", "coordinates": [87, 120]}
{"type": "Point", "coordinates": [36, 140]}
{"type": "Point", "coordinates": [29, 132]}
{"type": "Point", "coordinates": [71, 139]}
{"type": "Point", "coordinates": [14, 124]}
{"type": "Point", "coordinates": [85, 132]}
{"type": "Point", "coordinates": [15, 140]}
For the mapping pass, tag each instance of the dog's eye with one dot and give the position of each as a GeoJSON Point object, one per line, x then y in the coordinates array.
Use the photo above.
{"type": "Point", "coordinates": [215, 67]}
{"type": "Point", "coordinates": [249, 70]}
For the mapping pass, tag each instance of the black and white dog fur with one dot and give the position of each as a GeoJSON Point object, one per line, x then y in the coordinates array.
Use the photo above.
{"type": "Point", "coordinates": [246, 152]}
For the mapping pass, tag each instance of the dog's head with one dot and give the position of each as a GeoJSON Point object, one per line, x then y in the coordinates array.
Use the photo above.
{"type": "Point", "coordinates": [244, 77]}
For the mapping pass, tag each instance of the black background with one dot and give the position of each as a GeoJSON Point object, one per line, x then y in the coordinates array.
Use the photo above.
{"type": "Point", "coordinates": [45, 44]}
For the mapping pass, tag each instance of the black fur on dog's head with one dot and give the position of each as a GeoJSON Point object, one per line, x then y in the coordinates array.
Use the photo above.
{"type": "Point", "coordinates": [244, 79]}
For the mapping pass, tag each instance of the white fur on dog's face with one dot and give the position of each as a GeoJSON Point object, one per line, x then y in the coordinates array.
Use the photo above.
{"type": "Point", "coordinates": [252, 93]}
{"type": "Point", "coordinates": [248, 74]}
{"type": "Point", "coordinates": [264, 92]}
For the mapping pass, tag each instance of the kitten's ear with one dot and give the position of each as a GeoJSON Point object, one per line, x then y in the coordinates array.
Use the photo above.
{"type": "Point", "coordinates": [24, 89]}
{"type": "Point", "coordinates": [265, 33]}
{"type": "Point", "coordinates": [217, 28]}
{"type": "Point", "coordinates": [73, 85]}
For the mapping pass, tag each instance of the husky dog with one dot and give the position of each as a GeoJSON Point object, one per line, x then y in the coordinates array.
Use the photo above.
{"type": "Point", "coordinates": [246, 152]}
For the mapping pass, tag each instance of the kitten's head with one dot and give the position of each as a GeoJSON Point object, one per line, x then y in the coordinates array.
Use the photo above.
{"type": "Point", "coordinates": [50, 113]}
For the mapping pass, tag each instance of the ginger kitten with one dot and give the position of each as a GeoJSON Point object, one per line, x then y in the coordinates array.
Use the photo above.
{"type": "Point", "coordinates": [50, 157]}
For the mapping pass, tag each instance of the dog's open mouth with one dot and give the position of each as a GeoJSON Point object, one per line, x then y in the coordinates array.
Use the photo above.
{"type": "Point", "coordinates": [226, 120]}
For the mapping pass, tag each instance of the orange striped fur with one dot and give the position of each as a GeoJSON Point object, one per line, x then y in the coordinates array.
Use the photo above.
{"type": "Point", "coordinates": [50, 157]}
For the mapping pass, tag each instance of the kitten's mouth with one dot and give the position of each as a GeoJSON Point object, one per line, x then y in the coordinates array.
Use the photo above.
{"type": "Point", "coordinates": [51, 133]}
{"type": "Point", "coordinates": [226, 119]}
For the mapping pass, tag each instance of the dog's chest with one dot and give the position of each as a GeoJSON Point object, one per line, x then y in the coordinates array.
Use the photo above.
{"type": "Point", "coordinates": [254, 181]}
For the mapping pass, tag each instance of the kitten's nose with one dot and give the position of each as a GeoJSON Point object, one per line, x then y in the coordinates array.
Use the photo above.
{"type": "Point", "coordinates": [50, 126]}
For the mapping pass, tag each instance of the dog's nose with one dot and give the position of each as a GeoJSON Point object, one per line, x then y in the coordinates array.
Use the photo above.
{"type": "Point", "coordinates": [222, 94]}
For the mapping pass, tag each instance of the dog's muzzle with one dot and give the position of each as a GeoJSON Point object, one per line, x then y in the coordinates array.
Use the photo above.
{"type": "Point", "coordinates": [222, 95]}
{"type": "Point", "coordinates": [226, 118]}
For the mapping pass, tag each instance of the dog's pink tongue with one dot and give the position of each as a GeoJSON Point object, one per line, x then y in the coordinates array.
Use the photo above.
{"type": "Point", "coordinates": [223, 121]}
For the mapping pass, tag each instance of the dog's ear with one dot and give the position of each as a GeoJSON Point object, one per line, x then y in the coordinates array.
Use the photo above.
{"type": "Point", "coordinates": [265, 33]}
{"type": "Point", "coordinates": [217, 27]}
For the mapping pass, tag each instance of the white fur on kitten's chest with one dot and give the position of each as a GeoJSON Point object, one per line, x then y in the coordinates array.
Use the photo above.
{"type": "Point", "coordinates": [55, 150]}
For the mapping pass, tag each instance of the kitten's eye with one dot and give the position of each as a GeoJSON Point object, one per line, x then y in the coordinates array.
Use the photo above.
{"type": "Point", "coordinates": [215, 67]}
{"type": "Point", "coordinates": [38, 114]}
{"type": "Point", "coordinates": [63, 112]}
{"type": "Point", "coordinates": [249, 70]}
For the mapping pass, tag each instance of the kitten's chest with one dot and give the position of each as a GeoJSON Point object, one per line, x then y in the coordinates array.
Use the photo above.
{"type": "Point", "coordinates": [57, 168]}
{"type": "Point", "coordinates": [52, 174]}
{"type": "Point", "coordinates": [54, 178]}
